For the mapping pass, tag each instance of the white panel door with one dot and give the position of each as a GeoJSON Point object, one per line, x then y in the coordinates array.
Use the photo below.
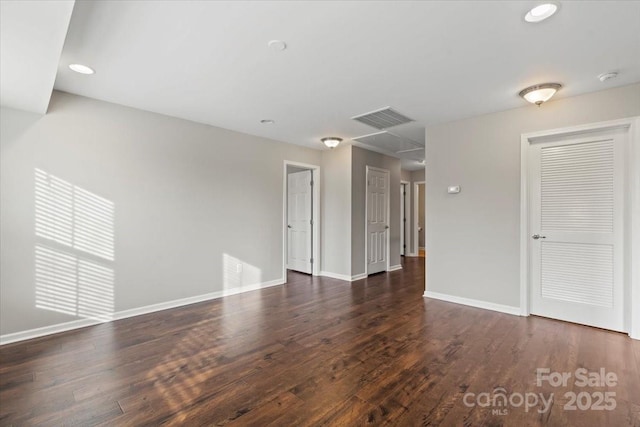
{"type": "Point", "coordinates": [576, 229]}
{"type": "Point", "coordinates": [377, 220]}
{"type": "Point", "coordinates": [299, 221]}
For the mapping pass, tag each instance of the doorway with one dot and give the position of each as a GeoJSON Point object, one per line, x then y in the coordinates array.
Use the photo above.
{"type": "Point", "coordinates": [377, 220]}
{"type": "Point", "coordinates": [405, 217]}
{"type": "Point", "coordinates": [301, 211]}
{"type": "Point", "coordinates": [419, 223]}
{"type": "Point", "coordinates": [576, 225]}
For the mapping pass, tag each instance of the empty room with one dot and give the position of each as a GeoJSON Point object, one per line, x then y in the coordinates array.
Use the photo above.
{"type": "Point", "coordinates": [319, 213]}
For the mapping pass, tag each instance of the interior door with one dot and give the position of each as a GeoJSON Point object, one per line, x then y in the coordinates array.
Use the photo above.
{"type": "Point", "coordinates": [377, 220]}
{"type": "Point", "coordinates": [576, 218]}
{"type": "Point", "coordinates": [299, 221]}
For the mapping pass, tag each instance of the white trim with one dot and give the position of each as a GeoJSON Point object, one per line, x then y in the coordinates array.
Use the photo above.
{"type": "Point", "coordinates": [47, 330]}
{"type": "Point", "coordinates": [634, 191]}
{"type": "Point", "coordinates": [524, 226]}
{"type": "Point", "coordinates": [315, 268]}
{"type": "Point", "coordinates": [336, 276]}
{"type": "Point", "coordinates": [406, 251]}
{"type": "Point", "coordinates": [344, 277]}
{"type": "Point", "coordinates": [366, 217]}
{"type": "Point", "coordinates": [474, 303]}
{"type": "Point", "coordinates": [633, 178]}
{"type": "Point", "coordinates": [416, 198]}
{"type": "Point", "coordinates": [395, 267]}
{"type": "Point", "coordinates": [82, 323]}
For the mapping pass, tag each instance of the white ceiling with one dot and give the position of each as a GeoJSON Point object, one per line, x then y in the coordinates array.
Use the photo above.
{"type": "Point", "coordinates": [32, 34]}
{"type": "Point", "coordinates": [208, 61]}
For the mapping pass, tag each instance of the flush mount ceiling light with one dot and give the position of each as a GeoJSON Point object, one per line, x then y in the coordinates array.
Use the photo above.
{"type": "Point", "coordinates": [267, 121]}
{"type": "Point", "coordinates": [541, 12]}
{"type": "Point", "coordinates": [82, 69]}
{"type": "Point", "coordinates": [540, 93]}
{"type": "Point", "coordinates": [277, 45]}
{"type": "Point", "coordinates": [332, 141]}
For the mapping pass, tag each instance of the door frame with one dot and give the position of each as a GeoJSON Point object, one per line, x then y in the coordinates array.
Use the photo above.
{"type": "Point", "coordinates": [366, 216]}
{"type": "Point", "coordinates": [315, 229]}
{"type": "Point", "coordinates": [407, 214]}
{"type": "Point", "coordinates": [631, 212]}
{"type": "Point", "coordinates": [416, 215]}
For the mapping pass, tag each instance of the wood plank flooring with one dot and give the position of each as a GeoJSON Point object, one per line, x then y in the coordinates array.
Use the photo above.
{"type": "Point", "coordinates": [316, 351]}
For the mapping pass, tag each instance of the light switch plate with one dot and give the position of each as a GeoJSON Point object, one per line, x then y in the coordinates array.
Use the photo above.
{"type": "Point", "coordinates": [453, 189]}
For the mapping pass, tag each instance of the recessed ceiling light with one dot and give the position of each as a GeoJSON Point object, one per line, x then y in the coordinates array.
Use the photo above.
{"type": "Point", "coordinates": [332, 141]}
{"type": "Point", "coordinates": [607, 76]}
{"type": "Point", "coordinates": [540, 93]}
{"type": "Point", "coordinates": [277, 45]}
{"type": "Point", "coordinates": [267, 121]}
{"type": "Point", "coordinates": [82, 69]}
{"type": "Point", "coordinates": [541, 12]}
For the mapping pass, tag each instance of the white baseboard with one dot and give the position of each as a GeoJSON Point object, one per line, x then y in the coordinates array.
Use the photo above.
{"type": "Point", "coordinates": [335, 276]}
{"type": "Point", "coordinates": [413, 254]}
{"type": "Point", "coordinates": [343, 276]}
{"type": "Point", "coordinates": [474, 303]}
{"type": "Point", "coordinates": [47, 330]}
{"type": "Point", "coordinates": [82, 323]}
{"type": "Point", "coordinates": [395, 267]}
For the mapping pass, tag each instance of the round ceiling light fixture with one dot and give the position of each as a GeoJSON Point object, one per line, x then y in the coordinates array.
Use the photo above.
{"type": "Point", "coordinates": [82, 69]}
{"type": "Point", "coordinates": [267, 121]}
{"type": "Point", "coordinates": [540, 93]}
{"type": "Point", "coordinates": [541, 12]}
{"type": "Point", "coordinates": [277, 45]}
{"type": "Point", "coordinates": [331, 141]}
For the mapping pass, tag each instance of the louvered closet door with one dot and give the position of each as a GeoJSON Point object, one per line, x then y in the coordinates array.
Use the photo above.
{"type": "Point", "coordinates": [576, 210]}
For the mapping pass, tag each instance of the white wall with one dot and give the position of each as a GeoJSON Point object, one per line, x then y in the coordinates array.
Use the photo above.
{"type": "Point", "coordinates": [417, 176]}
{"type": "Point", "coordinates": [190, 202]}
{"type": "Point", "coordinates": [336, 211]}
{"type": "Point", "coordinates": [473, 237]}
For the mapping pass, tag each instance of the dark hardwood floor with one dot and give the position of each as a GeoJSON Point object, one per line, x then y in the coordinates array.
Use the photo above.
{"type": "Point", "coordinates": [316, 351]}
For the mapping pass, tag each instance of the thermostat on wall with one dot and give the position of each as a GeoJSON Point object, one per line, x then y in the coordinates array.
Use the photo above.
{"type": "Point", "coordinates": [453, 189]}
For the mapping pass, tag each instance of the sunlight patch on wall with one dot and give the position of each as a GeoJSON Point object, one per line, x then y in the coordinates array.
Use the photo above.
{"type": "Point", "coordinates": [237, 273]}
{"type": "Point", "coordinates": [74, 252]}
{"type": "Point", "coordinates": [56, 281]}
{"type": "Point", "coordinates": [74, 217]}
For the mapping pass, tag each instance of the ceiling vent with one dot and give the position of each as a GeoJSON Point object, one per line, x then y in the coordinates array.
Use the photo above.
{"type": "Point", "coordinates": [383, 119]}
{"type": "Point", "coordinates": [390, 142]}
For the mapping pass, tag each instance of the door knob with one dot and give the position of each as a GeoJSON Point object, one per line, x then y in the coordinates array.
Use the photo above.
{"type": "Point", "coordinates": [537, 236]}
{"type": "Point", "coordinates": [288, 226]}
{"type": "Point", "coordinates": [386, 227]}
